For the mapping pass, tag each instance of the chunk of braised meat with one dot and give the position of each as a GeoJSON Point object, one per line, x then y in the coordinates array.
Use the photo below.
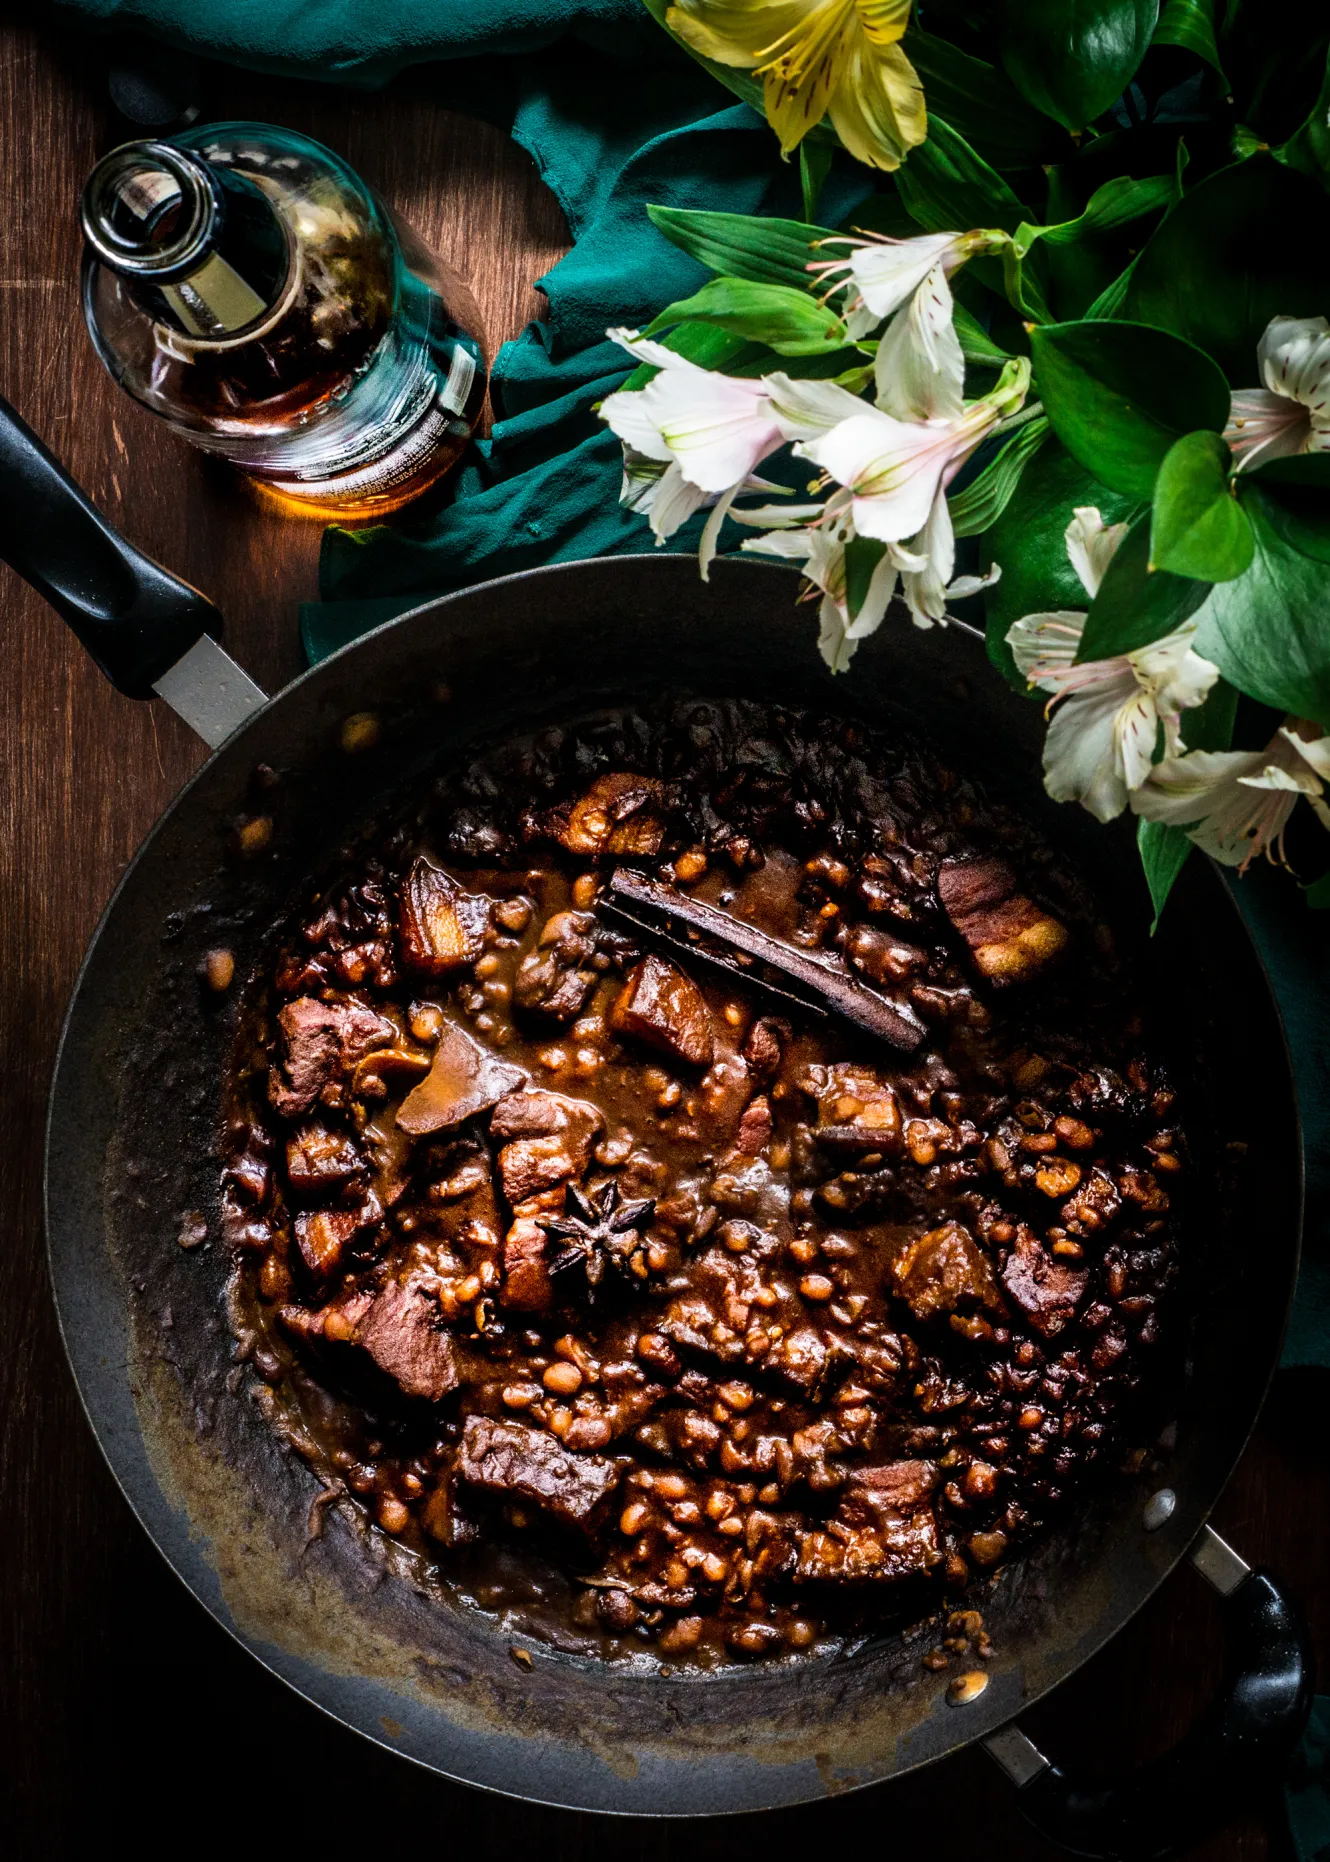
{"type": "Point", "coordinates": [512, 1460]}
{"type": "Point", "coordinates": [1009, 936]}
{"type": "Point", "coordinates": [527, 1286]}
{"type": "Point", "coordinates": [402, 1332]}
{"type": "Point", "coordinates": [619, 814]}
{"type": "Point", "coordinates": [755, 1127]}
{"type": "Point", "coordinates": [856, 1108]}
{"type": "Point", "coordinates": [662, 1007]}
{"type": "Point", "coordinates": [764, 1047]}
{"type": "Point", "coordinates": [547, 1140]}
{"type": "Point", "coordinates": [320, 1161]}
{"type": "Point", "coordinates": [440, 927]}
{"type": "Point", "coordinates": [465, 1078]}
{"type": "Point", "coordinates": [1046, 1289]}
{"type": "Point", "coordinates": [324, 1235]}
{"type": "Point", "coordinates": [885, 1529]}
{"type": "Point", "coordinates": [555, 979]}
{"type": "Point", "coordinates": [881, 957]}
{"type": "Point", "coordinates": [318, 1045]}
{"type": "Point", "coordinates": [943, 1271]}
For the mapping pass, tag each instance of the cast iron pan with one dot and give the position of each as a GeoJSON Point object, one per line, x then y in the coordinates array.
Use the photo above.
{"type": "Point", "coordinates": [341, 1615]}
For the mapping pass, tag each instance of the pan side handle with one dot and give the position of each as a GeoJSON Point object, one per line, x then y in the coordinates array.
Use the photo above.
{"type": "Point", "coordinates": [1239, 1745]}
{"type": "Point", "coordinates": [135, 619]}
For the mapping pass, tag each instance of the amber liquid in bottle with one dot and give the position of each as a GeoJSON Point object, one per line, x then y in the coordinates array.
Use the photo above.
{"type": "Point", "coordinates": [243, 284]}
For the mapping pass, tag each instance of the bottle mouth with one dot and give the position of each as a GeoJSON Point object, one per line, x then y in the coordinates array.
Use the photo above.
{"type": "Point", "coordinates": [150, 209]}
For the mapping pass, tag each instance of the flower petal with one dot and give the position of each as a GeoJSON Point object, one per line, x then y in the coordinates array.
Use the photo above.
{"type": "Point", "coordinates": [1044, 645]}
{"type": "Point", "coordinates": [805, 409]}
{"type": "Point", "coordinates": [893, 468]}
{"type": "Point", "coordinates": [807, 67]}
{"type": "Point", "coordinates": [1263, 425]}
{"type": "Point", "coordinates": [716, 427]}
{"type": "Point", "coordinates": [1210, 793]}
{"type": "Point", "coordinates": [926, 590]}
{"type": "Point", "coordinates": [877, 108]}
{"type": "Point", "coordinates": [919, 370]}
{"type": "Point", "coordinates": [1081, 762]}
{"type": "Point", "coordinates": [1294, 357]}
{"type": "Point", "coordinates": [1092, 545]}
{"type": "Point", "coordinates": [886, 272]}
{"type": "Point", "coordinates": [736, 32]}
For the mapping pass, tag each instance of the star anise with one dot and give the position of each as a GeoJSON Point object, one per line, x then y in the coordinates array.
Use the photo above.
{"type": "Point", "coordinates": [600, 1232]}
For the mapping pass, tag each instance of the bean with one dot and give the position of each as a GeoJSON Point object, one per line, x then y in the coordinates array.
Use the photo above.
{"type": "Point", "coordinates": [632, 1517]}
{"type": "Point", "coordinates": [816, 1287]}
{"type": "Point", "coordinates": [361, 731]}
{"type": "Point", "coordinates": [682, 1635]}
{"type": "Point", "coordinates": [393, 1516]}
{"type": "Point", "coordinates": [1074, 1133]}
{"type": "Point", "coordinates": [219, 968]}
{"type": "Point", "coordinates": [584, 891]}
{"type": "Point", "coordinates": [563, 1378]}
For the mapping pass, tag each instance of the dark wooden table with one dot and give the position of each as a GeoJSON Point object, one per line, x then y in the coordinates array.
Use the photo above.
{"type": "Point", "coordinates": [126, 1714]}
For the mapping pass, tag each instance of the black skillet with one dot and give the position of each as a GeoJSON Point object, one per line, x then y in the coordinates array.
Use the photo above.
{"type": "Point", "coordinates": [131, 1164]}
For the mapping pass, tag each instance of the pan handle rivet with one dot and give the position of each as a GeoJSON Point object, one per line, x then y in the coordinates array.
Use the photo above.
{"type": "Point", "coordinates": [1158, 1508]}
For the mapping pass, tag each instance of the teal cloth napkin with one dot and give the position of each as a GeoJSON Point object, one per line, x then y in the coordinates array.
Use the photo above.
{"type": "Point", "coordinates": [615, 117]}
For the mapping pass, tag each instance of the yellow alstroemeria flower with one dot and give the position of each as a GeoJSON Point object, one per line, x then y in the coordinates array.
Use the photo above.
{"type": "Point", "coordinates": [816, 58]}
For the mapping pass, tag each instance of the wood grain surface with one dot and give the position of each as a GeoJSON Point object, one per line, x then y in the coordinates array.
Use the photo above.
{"type": "Point", "coordinates": [126, 1714]}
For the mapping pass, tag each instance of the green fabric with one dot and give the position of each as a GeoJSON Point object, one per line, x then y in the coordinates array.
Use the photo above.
{"type": "Point", "coordinates": [1307, 1792]}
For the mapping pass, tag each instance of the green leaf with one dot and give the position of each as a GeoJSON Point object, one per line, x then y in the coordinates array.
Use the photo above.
{"type": "Point", "coordinates": [1210, 726]}
{"type": "Point", "coordinates": [1136, 604]}
{"type": "Point", "coordinates": [862, 556]}
{"type": "Point", "coordinates": [1198, 528]}
{"type": "Point", "coordinates": [814, 167]}
{"type": "Point", "coordinates": [1163, 850]}
{"type": "Point", "coordinates": [786, 320]}
{"type": "Point", "coordinates": [1190, 24]}
{"type": "Point", "coordinates": [1119, 394]}
{"type": "Point", "coordinates": [987, 496]}
{"type": "Point", "coordinates": [947, 188]}
{"type": "Point", "coordinates": [1028, 541]}
{"type": "Point", "coordinates": [1116, 203]}
{"type": "Point", "coordinates": [744, 245]}
{"type": "Point", "coordinates": [1247, 244]}
{"type": "Point", "coordinates": [1110, 300]}
{"type": "Point", "coordinates": [1308, 148]}
{"type": "Point", "coordinates": [711, 348]}
{"type": "Point", "coordinates": [1072, 58]}
{"type": "Point", "coordinates": [1317, 894]}
{"type": "Point", "coordinates": [976, 344]}
{"type": "Point", "coordinates": [1311, 471]}
{"type": "Point", "coordinates": [978, 101]}
{"type": "Point", "coordinates": [1267, 630]}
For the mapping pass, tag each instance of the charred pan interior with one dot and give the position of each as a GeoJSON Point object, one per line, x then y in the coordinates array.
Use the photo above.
{"type": "Point", "coordinates": [609, 1264]}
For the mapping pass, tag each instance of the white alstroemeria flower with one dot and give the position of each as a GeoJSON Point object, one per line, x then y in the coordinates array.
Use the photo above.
{"type": "Point", "coordinates": [1107, 713]}
{"type": "Point", "coordinates": [1291, 413]}
{"type": "Point", "coordinates": [822, 552]}
{"type": "Point", "coordinates": [891, 470]}
{"type": "Point", "coordinates": [715, 427]}
{"type": "Point", "coordinates": [692, 436]}
{"type": "Point", "coordinates": [1235, 804]}
{"type": "Point", "coordinates": [881, 273]}
{"type": "Point", "coordinates": [666, 498]}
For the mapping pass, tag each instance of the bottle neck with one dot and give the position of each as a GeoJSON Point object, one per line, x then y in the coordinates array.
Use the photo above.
{"type": "Point", "coordinates": [201, 247]}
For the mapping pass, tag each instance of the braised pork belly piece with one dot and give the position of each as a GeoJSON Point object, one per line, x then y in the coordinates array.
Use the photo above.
{"type": "Point", "coordinates": [640, 1294]}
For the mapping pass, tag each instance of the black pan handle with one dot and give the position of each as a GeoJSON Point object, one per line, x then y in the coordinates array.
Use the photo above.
{"type": "Point", "coordinates": [1239, 1746]}
{"type": "Point", "coordinates": [134, 618]}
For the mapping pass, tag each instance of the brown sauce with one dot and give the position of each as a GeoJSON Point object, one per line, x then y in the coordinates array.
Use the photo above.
{"type": "Point", "coordinates": [659, 1315]}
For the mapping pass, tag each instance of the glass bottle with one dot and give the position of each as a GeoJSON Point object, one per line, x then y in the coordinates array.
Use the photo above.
{"type": "Point", "coordinates": [243, 283]}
